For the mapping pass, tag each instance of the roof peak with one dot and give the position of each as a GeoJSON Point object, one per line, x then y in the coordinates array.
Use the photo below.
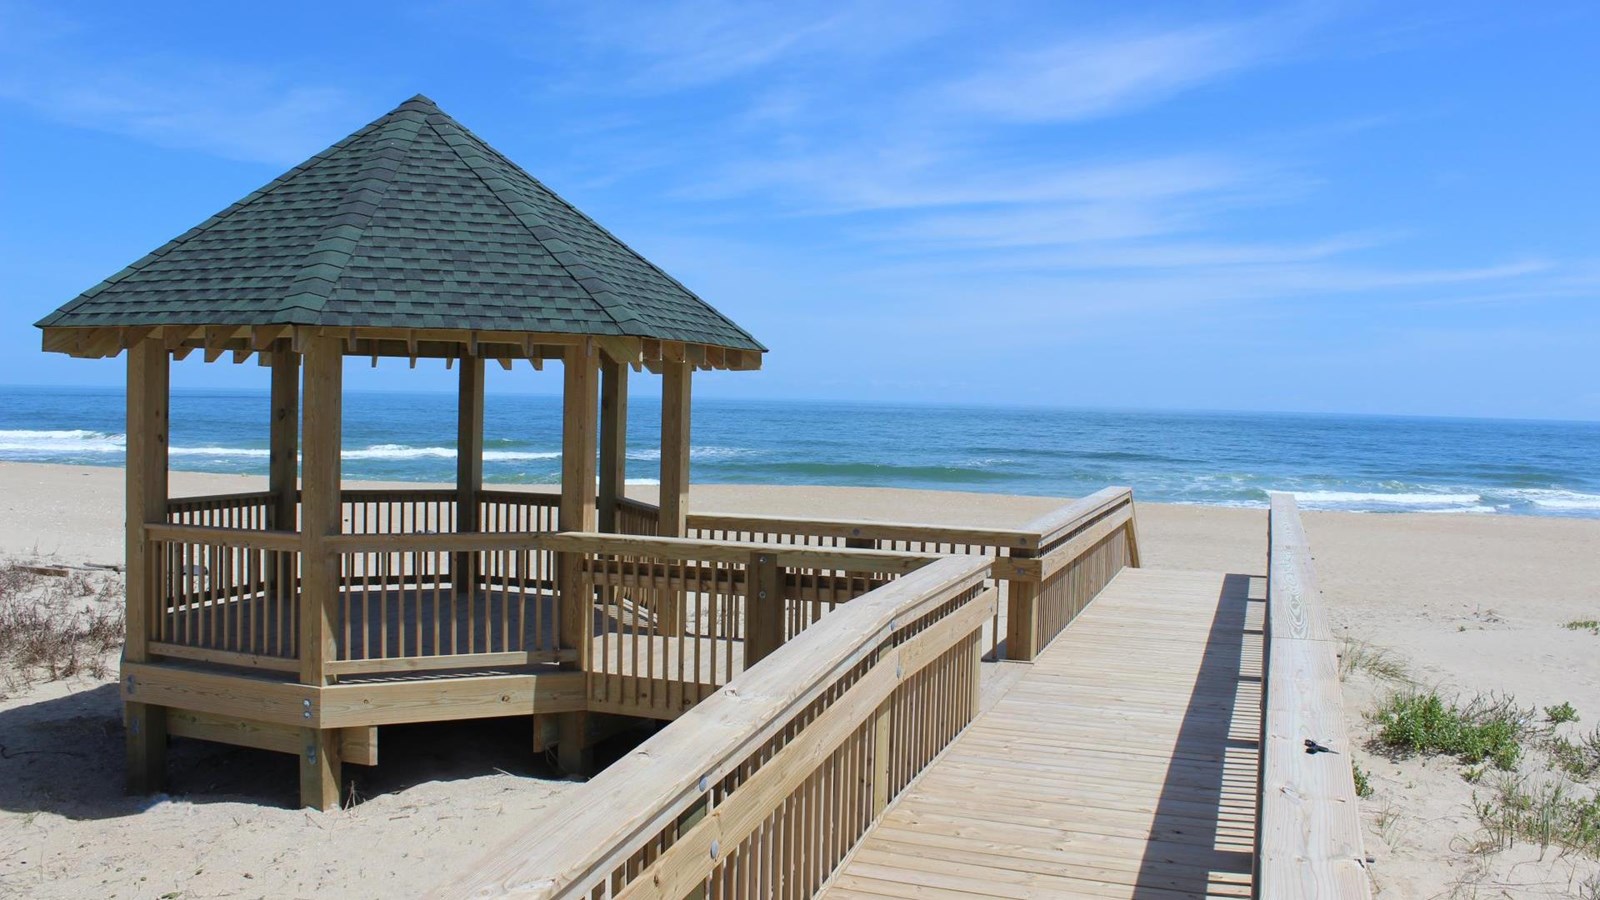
{"type": "Point", "coordinates": [411, 221]}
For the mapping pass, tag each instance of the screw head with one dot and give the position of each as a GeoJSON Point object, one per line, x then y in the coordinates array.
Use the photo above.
{"type": "Point", "coordinates": [714, 848]}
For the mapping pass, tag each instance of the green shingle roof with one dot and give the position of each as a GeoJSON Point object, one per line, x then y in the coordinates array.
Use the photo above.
{"type": "Point", "coordinates": [411, 222]}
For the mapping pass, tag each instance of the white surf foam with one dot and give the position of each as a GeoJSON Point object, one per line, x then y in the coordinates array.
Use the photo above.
{"type": "Point", "coordinates": [1358, 498]}
{"type": "Point", "coordinates": [73, 441]}
{"type": "Point", "coordinates": [403, 451]}
{"type": "Point", "coordinates": [253, 452]}
{"type": "Point", "coordinates": [1557, 499]}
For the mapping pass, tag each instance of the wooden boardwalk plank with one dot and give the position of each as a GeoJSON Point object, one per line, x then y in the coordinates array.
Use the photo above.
{"type": "Point", "coordinates": [1122, 763]}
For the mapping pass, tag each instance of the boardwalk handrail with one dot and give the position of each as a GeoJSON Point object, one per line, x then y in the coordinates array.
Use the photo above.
{"type": "Point", "coordinates": [1308, 835]}
{"type": "Point", "coordinates": [862, 700]}
{"type": "Point", "coordinates": [863, 529]}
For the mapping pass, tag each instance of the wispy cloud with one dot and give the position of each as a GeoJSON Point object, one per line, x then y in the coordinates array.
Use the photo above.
{"type": "Point", "coordinates": [1081, 78]}
{"type": "Point", "coordinates": [251, 113]}
{"type": "Point", "coordinates": [685, 44]}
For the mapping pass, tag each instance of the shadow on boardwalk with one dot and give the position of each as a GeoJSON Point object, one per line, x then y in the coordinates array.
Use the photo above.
{"type": "Point", "coordinates": [1214, 760]}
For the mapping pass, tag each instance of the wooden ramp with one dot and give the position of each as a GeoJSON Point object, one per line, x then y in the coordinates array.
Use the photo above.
{"type": "Point", "coordinates": [1123, 763]}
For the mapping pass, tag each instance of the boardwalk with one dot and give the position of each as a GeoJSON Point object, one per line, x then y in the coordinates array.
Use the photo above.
{"type": "Point", "coordinates": [1121, 764]}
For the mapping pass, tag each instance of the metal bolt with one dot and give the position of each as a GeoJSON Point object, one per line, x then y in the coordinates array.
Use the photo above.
{"type": "Point", "coordinates": [130, 684]}
{"type": "Point", "coordinates": [311, 754]}
{"type": "Point", "coordinates": [761, 594]}
{"type": "Point", "coordinates": [305, 712]}
{"type": "Point", "coordinates": [761, 559]}
{"type": "Point", "coordinates": [133, 726]}
{"type": "Point", "coordinates": [714, 848]}
{"type": "Point", "coordinates": [705, 783]}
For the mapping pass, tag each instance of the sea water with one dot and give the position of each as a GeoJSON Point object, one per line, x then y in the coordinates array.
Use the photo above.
{"type": "Point", "coordinates": [1358, 463]}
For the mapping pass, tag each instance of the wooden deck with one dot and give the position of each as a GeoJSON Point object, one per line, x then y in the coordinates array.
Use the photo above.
{"type": "Point", "coordinates": [1122, 763]}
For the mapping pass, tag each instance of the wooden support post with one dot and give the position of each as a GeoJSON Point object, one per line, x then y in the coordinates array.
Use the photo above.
{"type": "Point", "coordinates": [675, 404]}
{"type": "Point", "coordinates": [578, 423]}
{"type": "Point", "coordinates": [283, 461]}
{"type": "Point", "coordinates": [882, 753]}
{"type": "Point", "coordinates": [319, 565]}
{"type": "Point", "coordinates": [1022, 616]}
{"type": "Point", "coordinates": [469, 468]}
{"type": "Point", "coordinates": [146, 474]}
{"type": "Point", "coordinates": [613, 440]}
{"type": "Point", "coordinates": [320, 768]}
{"type": "Point", "coordinates": [763, 610]}
{"type": "Point", "coordinates": [675, 448]}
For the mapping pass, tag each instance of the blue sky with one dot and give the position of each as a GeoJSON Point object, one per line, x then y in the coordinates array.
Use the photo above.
{"type": "Point", "coordinates": [1357, 207]}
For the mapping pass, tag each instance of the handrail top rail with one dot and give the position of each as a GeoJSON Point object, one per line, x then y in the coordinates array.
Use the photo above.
{"type": "Point", "coordinates": [1308, 835]}
{"type": "Point", "coordinates": [1019, 538]}
{"type": "Point", "coordinates": [1059, 523]}
{"type": "Point", "coordinates": [219, 498]}
{"type": "Point", "coordinates": [640, 793]}
{"type": "Point", "coordinates": [1291, 577]}
{"type": "Point", "coordinates": [844, 559]}
{"type": "Point", "coordinates": [262, 538]}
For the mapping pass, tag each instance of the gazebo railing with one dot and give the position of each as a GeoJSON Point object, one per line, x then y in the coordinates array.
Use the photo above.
{"type": "Point", "coordinates": [223, 595]}
{"type": "Point", "coordinates": [248, 510]}
{"type": "Point", "coordinates": [220, 578]}
{"type": "Point", "coordinates": [369, 511]}
{"type": "Point", "coordinates": [444, 601]}
{"type": "Point", "coordinates": [678, 618]}
{"type": "Point", "coordinates": [519, 511]}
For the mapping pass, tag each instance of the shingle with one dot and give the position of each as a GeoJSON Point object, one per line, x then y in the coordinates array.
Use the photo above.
{"type": "Point", "coordinates": [410, 219]}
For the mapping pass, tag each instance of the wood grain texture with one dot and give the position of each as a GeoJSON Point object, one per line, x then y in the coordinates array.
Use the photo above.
{"type": "Point", "coordinates": [1310, 836]}
{"type": "Point", "coordinates": [1120, 764]}
{"type": "Point", "coordinates": [676, 378]}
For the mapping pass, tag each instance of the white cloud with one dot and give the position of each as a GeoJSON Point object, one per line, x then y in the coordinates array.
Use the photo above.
{"type": "Point", "coordinates": [238, 111]}
{"type": "Point", "coordinates": [1082, 78]}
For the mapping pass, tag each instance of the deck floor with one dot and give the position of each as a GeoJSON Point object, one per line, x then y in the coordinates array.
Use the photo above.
{"type": "Point", "coordinates": [1122, 763]}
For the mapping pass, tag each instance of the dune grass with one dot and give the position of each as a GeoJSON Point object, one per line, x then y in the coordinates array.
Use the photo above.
{"type": "Point", "coordinates": [1487, 729]}
{"type": "Point", "coordinates": [1547, 814]}
{"type": "Point", "coordinates": [56, 626]}
{"type": "Point", "coordinates": [1381, 664]}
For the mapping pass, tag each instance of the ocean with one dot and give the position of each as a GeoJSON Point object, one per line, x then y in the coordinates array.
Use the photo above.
{"type": "Point", "coordinates": [1359, 463]}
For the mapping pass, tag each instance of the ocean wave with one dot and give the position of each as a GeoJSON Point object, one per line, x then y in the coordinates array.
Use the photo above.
{"type": "Point", "coordinates": [863, 472]}
{"type": "Point", "coordinates": [252, 452]}
{"type": "Point", "coordinates": [1359, 498]}
{"type": "Point", "coordinates": [403, 451]}
{"type": "Point", "coordinates": [67, 441]}
{"type": "Point", "coordinates": [1557, 499]}
{"type": "Point", "coordinates": [701, 454]}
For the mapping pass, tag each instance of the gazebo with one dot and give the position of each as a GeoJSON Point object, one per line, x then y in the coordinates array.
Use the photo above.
{"type": "Point", "coordinates": [302, 617]}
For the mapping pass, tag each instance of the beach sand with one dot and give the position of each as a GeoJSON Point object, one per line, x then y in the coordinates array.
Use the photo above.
{"type": "Point", "coordinates": [1467, 604]}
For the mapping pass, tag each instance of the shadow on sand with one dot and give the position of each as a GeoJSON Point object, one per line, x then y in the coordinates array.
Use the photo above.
{"type": "Point", "coordinates": [64, 755]}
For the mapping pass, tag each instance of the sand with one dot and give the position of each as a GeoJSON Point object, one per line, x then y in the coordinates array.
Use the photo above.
{"type": "Point", "coordinates": [1467, 604]}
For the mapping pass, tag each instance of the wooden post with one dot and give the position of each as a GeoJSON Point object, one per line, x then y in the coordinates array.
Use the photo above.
{"type": "Point", "coordinates": [146, 473]}
{"type": "Point", "coordinates": [674, 448]}
{"type": "Point", "coordinates": [469, 467]}
{"type": "Point", "coordinates": [319, 566]}
{"type": "Point", "coordinates": [1022, 616]}
{"type": "Point", "coordinates": [613, 441]}
{"type": "Point", "coordinates": [579, 412]}
{"type": "Point", "coordinates": [675, 404]}
{"type": "Point", "coordinates": [882, 752]}
{"type": "Point", "coordinates": [284, 438]}
{"type": "Point", "coordinates": [763, 608]}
